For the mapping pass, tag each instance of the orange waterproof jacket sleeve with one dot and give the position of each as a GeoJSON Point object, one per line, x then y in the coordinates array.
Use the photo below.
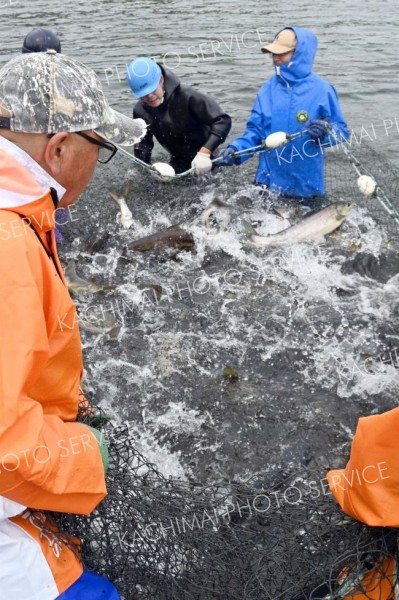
{"type": "Point", "coordinates": [47, 461]}
{"type": "Point", "coordinates": [368, 488]}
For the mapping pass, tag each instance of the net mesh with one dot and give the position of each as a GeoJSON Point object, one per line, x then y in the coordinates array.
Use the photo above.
{"type": "Point", "coordinates": [278, 537]}
{"type": "Point", "coordinates": [345, 162]}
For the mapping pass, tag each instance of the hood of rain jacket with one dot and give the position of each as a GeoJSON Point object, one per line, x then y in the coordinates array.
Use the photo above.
{"type": "Point", "coordinates": [301, 64]}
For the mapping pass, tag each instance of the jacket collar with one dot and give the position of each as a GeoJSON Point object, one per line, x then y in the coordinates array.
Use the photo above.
{"type": "Point", "coordinates": [43, 179]}
{"type": "Point", "coordinates": [26, 189]}
{"type": "Point", "coordinates": [171, 83]}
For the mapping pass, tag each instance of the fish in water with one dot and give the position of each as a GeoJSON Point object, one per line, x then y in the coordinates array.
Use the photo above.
{"type": "Point", "coordinates": [124, 217]}
{"type": "Point", "coordinates": [313, 227]}
{"type": "Point", "coordinates": [217, 215]}
{"type": "Point", "coordinates": [177, 235]}
{"type": "Point", "coordinates": [207, 217]}
{"type": "Point", "coordinates": [173, 237]}
{"type": "Point", "coordinates": [79, 285]}
{"type": "Point", "coordinates": [112, 333]}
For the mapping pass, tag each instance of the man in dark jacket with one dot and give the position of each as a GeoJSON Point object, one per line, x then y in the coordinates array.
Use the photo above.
{"type": "Point", "coordinates": [187, 123]}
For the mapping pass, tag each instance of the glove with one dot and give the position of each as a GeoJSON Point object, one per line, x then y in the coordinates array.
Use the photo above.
{"type": "Point", "coordinates": [317, 130]}
{"type": "Point", "coordinates": [228, 159]}
{"type": "Point", "coordinates": [102, 446]}
{"type": "Point", "coordinates": [97, 419]}
{"type": "Point", "coordinates": [201, 164]}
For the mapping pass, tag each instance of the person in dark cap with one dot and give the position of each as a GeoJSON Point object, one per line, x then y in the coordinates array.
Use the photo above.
{"type": "Point", "coordinates": [40, 40]}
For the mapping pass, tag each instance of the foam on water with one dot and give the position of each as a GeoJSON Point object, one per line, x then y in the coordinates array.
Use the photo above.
{"type": "Point", "coordinates": [289, 322]}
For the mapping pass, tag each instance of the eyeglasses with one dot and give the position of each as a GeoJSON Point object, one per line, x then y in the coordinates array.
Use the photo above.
{"type": "Point", "coordinates": [107, 149]}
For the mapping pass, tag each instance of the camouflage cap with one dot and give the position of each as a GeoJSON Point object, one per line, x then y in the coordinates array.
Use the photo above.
{"type": "Point", "coordinates": [46, 92]}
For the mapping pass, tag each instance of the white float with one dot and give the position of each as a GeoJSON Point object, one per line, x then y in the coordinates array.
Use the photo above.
{"type": "Point", "coordinates": [276, 139]}
{"type": "Point", "coordinates": [366, 185]}
{"type": "Point", "coordinates": [164, 170]}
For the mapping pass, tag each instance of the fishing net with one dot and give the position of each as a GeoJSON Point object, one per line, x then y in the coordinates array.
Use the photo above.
{"type": "Point", "coordinates": [280, 536]}
{"type": "Point", "coordinates": [277, 536]}
{"type": "Point", "coordinates": [345, 162]}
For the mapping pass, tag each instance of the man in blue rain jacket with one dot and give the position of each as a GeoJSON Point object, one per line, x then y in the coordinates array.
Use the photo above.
{"type": "Point", "coordinates": [290, 101]}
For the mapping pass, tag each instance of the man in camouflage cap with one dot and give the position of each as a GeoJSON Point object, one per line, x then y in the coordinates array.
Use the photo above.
{"type": "Point", "coordinates": [55, 124]}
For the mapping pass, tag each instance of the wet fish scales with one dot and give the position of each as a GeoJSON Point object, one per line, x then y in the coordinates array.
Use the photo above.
{"type": "Point", "coordinates": [312, 227]}
{"type": "Point", "coordinates": [173, 237]}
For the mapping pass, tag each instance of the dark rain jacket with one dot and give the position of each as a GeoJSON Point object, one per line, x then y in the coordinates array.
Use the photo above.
{"type": "Point", "coordinates": [184, 122]}
{"type": "Point", "coordinates": [286, 102]}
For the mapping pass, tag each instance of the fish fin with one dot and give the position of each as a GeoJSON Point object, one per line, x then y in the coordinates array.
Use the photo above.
{"type": "Point", "coordinates": [247, 228]}
{"type": "Point", "coordinates": [176, 227]}
{"type": "Point", "coordinates": [283, 211]}
{"type": "Point", "coordinates": [125, 191]}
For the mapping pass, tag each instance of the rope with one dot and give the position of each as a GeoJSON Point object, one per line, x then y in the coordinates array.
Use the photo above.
{"type": "Point", "coordinates": [361, 169]}
{"type": "Point", "coordinates": [260, 148]}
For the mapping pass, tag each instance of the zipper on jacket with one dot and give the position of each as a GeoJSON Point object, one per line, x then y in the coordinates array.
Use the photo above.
{"type": "Point", "coordinates": [278, 73]}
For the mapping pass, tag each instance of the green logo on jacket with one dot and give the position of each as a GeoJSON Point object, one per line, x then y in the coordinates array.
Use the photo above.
{"type": "Point", "coordinates": [302, 116]}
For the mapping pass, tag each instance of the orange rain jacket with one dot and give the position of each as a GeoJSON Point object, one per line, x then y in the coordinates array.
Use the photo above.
{"type": "Point", "coordinates": [47, 460]}
{"type": "Point", "coordinates": [368, 489]}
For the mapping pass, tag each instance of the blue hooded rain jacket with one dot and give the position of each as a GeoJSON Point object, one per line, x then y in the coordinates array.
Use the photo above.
{"type": "Point", "coordinates": [286, 102]}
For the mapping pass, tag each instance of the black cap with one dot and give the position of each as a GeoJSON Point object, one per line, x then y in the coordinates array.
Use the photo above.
{"type": "Point", "coordinates": [40, 40]}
